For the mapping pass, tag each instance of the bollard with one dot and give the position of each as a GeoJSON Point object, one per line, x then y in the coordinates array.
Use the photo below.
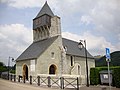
{"type": "Point", "coordinates": [49, 82]}
{"type": "Point", "coordinates": [8, 76]}
{"type": "Point", "coordinates": [38, 80]}
{"type": "Point", "coordinates": [30, 79]}
{"type": "Point", "coordinates": [14, 78]}
{"type": "Point", "coordinates": [11, 77]}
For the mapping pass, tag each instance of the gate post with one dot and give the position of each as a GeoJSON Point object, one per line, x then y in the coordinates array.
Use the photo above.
{"type": "Point", "coordinates": [30, 79]}
{"type": "Point", "coordinates": [62, 82]}
{"type": "Point", "coordinates": [49, 82]}
{"type": "Point", "coordinates": [38, 80]}
{"type": "Point", "coordinates": [77, 83]}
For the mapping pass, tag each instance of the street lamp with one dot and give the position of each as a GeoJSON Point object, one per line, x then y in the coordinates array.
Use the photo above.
{"type": "Point", "coordinates": [9, 64]}
{"type": "Point", "coordinates": [81, 46]}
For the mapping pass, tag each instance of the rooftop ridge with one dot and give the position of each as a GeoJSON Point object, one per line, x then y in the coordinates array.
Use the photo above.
{"type": "Point", "coordinates": [70, 40]}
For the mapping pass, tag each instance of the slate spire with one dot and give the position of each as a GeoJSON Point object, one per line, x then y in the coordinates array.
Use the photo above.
{"type": "Point", "coordinates": [45, 10]}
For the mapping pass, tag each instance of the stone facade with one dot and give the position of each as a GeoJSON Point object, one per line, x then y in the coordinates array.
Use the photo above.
{"type": "Point", "coordinates": [46, 60]}
{"type": "Point", "coordinates": [46, 31]}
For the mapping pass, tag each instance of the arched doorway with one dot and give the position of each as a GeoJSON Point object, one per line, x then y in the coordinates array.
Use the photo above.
{"type": "Point", "coordinates": [25, 71]}
{"type": "Point", "coordinates": [52, 69]}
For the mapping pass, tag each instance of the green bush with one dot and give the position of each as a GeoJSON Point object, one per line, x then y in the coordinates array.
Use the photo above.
{"type": "Point", "coordinates": [12, 71]}
{"type": "Point", "coordinates": [116, 76]}
{"type": "Point", "coordinates": [95, 77]}
{"type": "Point", "coordinates": [3, 69]}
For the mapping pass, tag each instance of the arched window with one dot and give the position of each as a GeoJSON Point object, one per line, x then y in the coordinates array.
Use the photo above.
{"type": "Point", "coordinates": [79, 70]}
{"type": "Point", "coordinates": [72, 60]}
{"type": "Point", "coordinates": [52, 55]}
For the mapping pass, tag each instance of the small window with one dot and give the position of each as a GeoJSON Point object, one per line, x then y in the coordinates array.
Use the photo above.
{"type": "Point", "coordinates": [52, 55]}
{"type": "Point", "coordinates": [65, 48]}
{"type": "Point", "coordinates": [71, 58]}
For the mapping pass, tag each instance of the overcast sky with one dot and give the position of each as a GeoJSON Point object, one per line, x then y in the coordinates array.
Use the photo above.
{"type": "Point", "coordinates": [96, 21]}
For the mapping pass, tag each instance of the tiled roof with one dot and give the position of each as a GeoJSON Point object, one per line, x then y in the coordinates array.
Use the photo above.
{"type": "Point", "coordinates": [73, 49]}
{"type": "Point", "coordinates": [36, 49]}
{"type": "Point", "coordinates": [45, 10]}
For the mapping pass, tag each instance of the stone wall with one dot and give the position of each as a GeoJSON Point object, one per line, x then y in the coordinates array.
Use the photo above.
{"type": "Point", "coordinates": [45, 60]}
{"type": "Point", "coordinates": [79, 66]}
{"type": "Point", "coordinates": [19, 66]}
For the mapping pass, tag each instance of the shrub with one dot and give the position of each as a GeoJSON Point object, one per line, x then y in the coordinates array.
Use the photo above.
{"type": "Point", "coordinates": [12, 71]}
{"type": "Point", "coordinates": [116, 76]}
{"type": "Point", "coordinates": [95, 78]}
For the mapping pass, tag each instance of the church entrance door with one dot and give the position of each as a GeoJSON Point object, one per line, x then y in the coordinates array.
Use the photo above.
{"type": "Point", "coordinates": [52, 69]}
{"type": "Point", "coordinates": [25, 71]}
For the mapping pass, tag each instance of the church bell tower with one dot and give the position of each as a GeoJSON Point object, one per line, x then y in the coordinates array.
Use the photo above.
{"type": "Point", "coordinates": [46, 24]}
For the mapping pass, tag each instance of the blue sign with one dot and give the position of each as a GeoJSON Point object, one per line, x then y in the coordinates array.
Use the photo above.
{"type": "Point", "coordinates": [107, 53]}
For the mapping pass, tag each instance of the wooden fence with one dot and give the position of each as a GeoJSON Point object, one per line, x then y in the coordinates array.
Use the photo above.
{"type": "Point", "coordinates": [49, 81]}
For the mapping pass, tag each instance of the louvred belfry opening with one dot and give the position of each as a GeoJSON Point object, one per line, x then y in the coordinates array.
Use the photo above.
{"type": "Point", "coordinates": [43, 18]}
{"type": "Point", "coordinates": [42, 23]}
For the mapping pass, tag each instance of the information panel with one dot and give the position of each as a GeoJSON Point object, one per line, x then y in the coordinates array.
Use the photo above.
{"type": "Point", "coordinates": [32, 65]}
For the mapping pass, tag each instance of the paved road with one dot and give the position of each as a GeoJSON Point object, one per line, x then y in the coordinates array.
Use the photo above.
{"type": "Point", "coordinates": [8, 85]}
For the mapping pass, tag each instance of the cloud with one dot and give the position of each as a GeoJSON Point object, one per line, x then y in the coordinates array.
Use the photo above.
{"type": "Point", "coordinates": [104, 14]}
{"type": "Point", "coordinates": [14, 39]}
{"type": "Point", "coordinates": [95, 45]}
{"type": "Point", "coordinates": [20, 4]}
{"type": "Point", "coordinates": [86, 20]}
{"type": "Point", "coordinates": [101, 13]}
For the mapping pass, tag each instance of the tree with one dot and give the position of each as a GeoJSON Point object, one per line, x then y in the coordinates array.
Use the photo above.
{"type": "Point", "coordinates": [2, 64]}
{"type": "Point", "coordinates": [2, 67]}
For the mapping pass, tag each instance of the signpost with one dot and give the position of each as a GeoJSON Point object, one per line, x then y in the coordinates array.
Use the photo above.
{"type": "Point", "coordinates": [108, 60]}
{"type": "Point", "coordinates": [107, 54]}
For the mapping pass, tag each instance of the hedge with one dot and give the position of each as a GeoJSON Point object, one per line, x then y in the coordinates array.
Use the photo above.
{"type": "Point", "coordinates": [116, 76]}
{"type": "Point", "coordinates": [95, 77]}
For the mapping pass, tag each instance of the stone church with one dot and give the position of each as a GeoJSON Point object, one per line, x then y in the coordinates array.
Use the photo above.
{"type": "Point", "coordinates": [50, 53]}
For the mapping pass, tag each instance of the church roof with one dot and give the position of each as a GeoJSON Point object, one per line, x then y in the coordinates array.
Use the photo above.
{"type": "Point", "coordinates": [36, 49]}
{"type": "Point", "coordinates": [73, 49]}
{"type": "Point", "coordinates": [45, 10]}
